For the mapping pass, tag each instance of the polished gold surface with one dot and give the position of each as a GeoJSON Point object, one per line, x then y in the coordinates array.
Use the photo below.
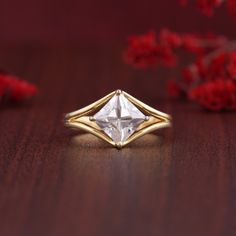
{"type": "Point", "coordinates": [83, 119]}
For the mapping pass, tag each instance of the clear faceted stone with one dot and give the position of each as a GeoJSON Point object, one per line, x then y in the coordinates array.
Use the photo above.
{"type": "Point", "coordinates": [119, 118]}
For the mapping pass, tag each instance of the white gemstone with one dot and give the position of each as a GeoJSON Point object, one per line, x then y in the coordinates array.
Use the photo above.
{"type": "Point", "coordinates": [119, 118]}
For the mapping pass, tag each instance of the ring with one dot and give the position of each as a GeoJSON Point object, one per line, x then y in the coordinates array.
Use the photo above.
{"type": "Point", "coordinates": [118, 118]}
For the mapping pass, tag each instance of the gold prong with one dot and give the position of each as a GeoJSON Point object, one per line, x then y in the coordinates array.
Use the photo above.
{"type": "Point", "coordinates": [118, 92]}
{"type": "Point", "coordinates": [92, 118]}
{"type": "Point", "coordinates": [119, 145]}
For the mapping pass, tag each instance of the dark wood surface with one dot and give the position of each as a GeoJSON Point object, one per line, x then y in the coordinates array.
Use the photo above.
{"type": "Point", "coordinates": [53, 181]}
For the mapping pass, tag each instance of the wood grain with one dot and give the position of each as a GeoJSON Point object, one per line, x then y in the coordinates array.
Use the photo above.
{"type": "Point", "coordinates": [177, 182]}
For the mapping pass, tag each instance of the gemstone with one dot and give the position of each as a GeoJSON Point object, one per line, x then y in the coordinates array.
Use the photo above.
{"type": "Point", "coordinates": [119, 118]}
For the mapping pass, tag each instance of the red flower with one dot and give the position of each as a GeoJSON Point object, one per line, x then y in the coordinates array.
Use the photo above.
{"type": "Point", "coordinates": [216, 95]}
{"type": "Point", "coordinates": [166, 56]}
{"type": "Point", "coordinates": [173, 89]}
{"type": "Point", "coordinates": [170, 38]}
{"type": "Point", "coordinates": [216, 67]}
{"type": "Point", "coordinates": [199, 44]}
{"type": "Point", "coordinates": [191, 44]}
{"type": "Point", "coordinates": [142, 51]}
{"type": "Point", "coordinates": [201, 67]}
{"type": "Point", "coordinates": [189, 75]}
{"type": "Point", "coordinates": [18, 90]}
{"type": "Point", "coordinates": [21, 90]}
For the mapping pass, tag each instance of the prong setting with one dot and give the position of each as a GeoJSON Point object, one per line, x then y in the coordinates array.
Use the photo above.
{"type": "Point", "coordinates": [118, 92]}
{"type": "Point", "coordinates": [119, 145]}
{"type": "Point", "coordinates": [92, 118]}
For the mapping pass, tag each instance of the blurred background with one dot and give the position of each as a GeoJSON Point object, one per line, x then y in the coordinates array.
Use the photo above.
{"type": "Point", "coordinates": [101, 21]}
{"type": "Point", "coordinates": [184, 185]}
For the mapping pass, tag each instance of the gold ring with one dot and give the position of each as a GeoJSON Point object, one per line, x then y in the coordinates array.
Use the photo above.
{"type": "Point", "coordinates": [118, 118]}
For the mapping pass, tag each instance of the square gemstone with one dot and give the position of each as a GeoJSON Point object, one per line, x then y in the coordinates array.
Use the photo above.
{"type": "Point", "coordinates": [119, 118]}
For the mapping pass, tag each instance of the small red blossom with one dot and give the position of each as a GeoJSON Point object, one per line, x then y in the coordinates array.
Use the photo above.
{"type": "Point", "coordinates": [170, 38]}
{"type": "Point", "coordinates": [217, 95]}
{"type": "Point", "coordinates": [200, 44]}
{"type": "Point", "coordinates": [166, 56]}
{"type": "Point", "coordinates": [201, 67]}
{"type": "Point", "coordinates": [20, 89]}
{"type": "Point", "coordinates": [216, 67]}
{"type": "Point", "coordinates": [191, 43]}
{"type": "Point", "coordinates": [142, 51]}
{"type": "Point", "coordinates": [189, 75]}
{"type": "Point", "coordinates": [16, 89]}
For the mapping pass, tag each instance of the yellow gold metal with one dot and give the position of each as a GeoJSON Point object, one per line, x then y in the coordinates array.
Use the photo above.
{"type": "Point", "coordinates": [83, 119]}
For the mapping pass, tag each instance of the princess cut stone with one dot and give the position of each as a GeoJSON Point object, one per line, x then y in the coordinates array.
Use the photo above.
{"type": "Point", "coordinates": [119, 118]}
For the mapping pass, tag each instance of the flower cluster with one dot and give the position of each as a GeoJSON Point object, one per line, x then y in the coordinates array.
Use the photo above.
{"type": "Point", "coordinates": [210, 80]}
{"type": "Point", "coordinates": [216, 95]}
{"type": "Point", "coordinates": [150, 50]}
{"type": "Point", "coordinates": [144, 51]}
{"type": "Point", "coordinates": [15, 89]}
{"type": "Point", "coordinates": [208, 7]}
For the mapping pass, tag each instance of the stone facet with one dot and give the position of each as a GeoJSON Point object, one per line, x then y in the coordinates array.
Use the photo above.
{"type": "Point", "coordinates": [119, 118]}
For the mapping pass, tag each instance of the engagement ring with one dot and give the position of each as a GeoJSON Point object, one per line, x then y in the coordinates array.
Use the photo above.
{"type": "Point", "coordinates": [118, 118]}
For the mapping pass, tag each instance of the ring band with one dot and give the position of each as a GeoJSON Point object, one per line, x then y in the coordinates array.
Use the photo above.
{"type": "Point", "coordinates": [118, 119]}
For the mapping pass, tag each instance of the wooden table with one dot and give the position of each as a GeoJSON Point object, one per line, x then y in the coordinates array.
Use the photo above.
{"type": "Point", "coordinates": [177, 182]}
